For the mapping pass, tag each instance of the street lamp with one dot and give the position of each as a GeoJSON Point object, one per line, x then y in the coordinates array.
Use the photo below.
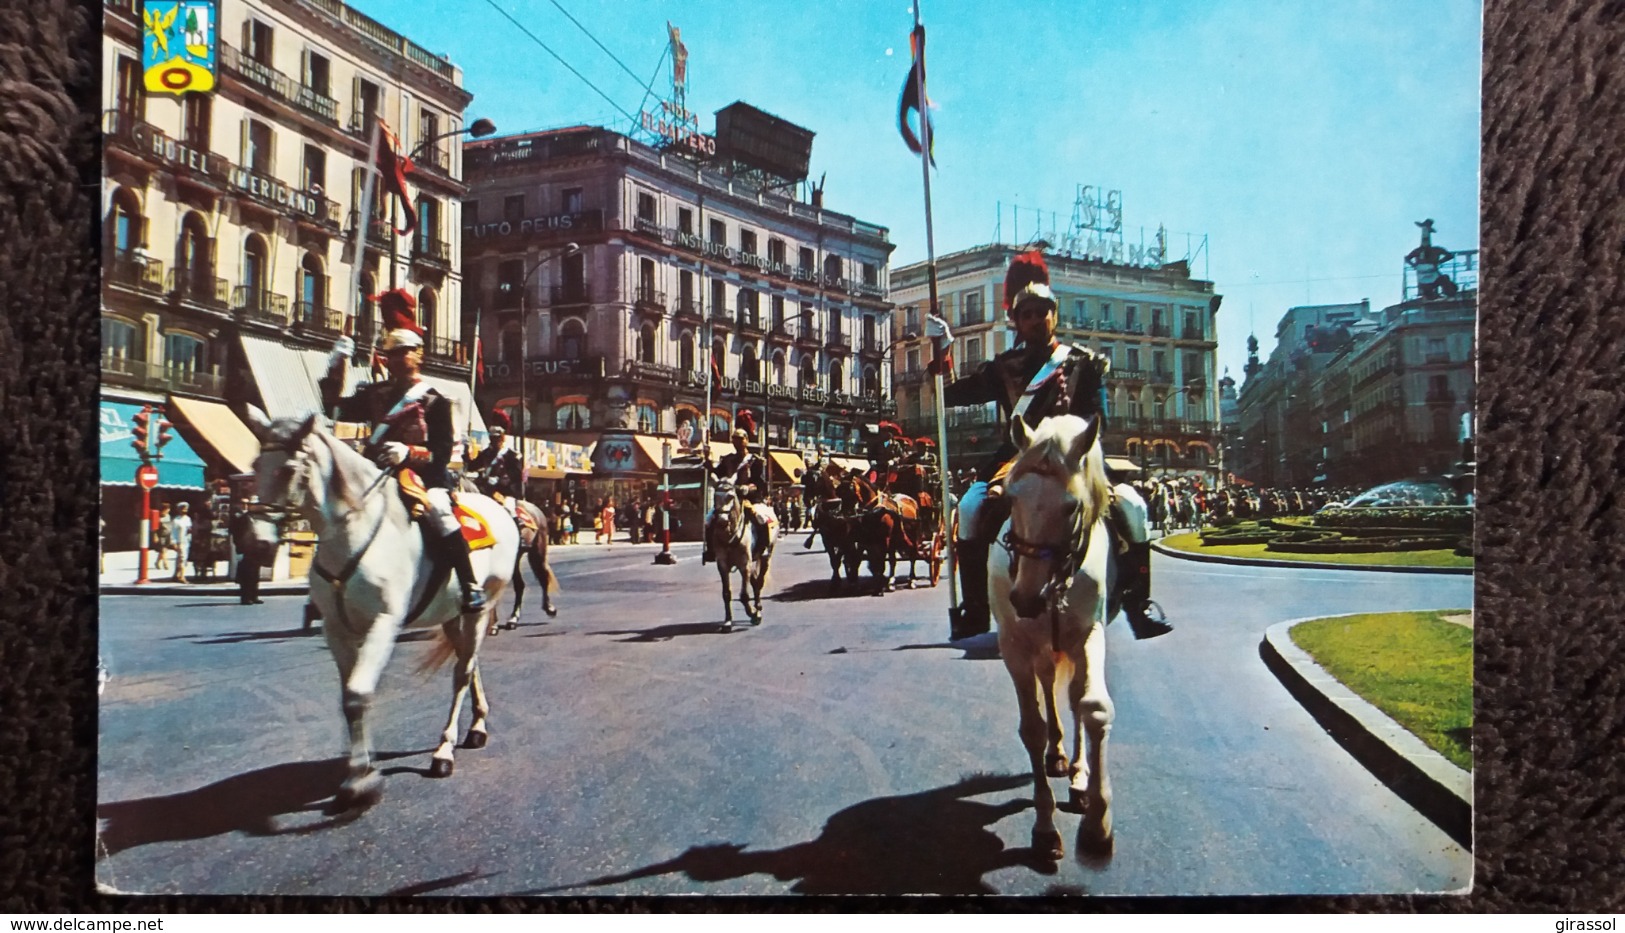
{"type": "Point", "coordinates": [665, 556]}
{"type": "Point", "coordinates": [569, 249]}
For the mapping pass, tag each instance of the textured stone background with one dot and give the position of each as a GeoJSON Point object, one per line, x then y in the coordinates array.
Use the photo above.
{"type": "Point", "coordinates": [1551, 672]}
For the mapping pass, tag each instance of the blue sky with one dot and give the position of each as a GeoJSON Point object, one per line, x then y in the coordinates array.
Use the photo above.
{"type": "Point", "coordinates": [1304, 140]}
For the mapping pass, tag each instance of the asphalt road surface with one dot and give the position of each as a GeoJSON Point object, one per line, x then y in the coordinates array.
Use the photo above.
{"type": "Point", "coordinates": [840, 748]}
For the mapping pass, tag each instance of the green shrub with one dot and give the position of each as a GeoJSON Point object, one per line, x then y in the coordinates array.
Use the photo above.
{"type": "Point", "coordinates": [1454, 518]}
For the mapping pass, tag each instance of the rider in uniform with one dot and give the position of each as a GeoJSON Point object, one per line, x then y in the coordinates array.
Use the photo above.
{"type": "Point", "coordinates": [748, 473]}
{"type": "Point", "coordinates": [1038, 377]}
{"type": "Point", "coordinates": [410, 427]}
{"type": "Point", "coordinates": [502, 471]}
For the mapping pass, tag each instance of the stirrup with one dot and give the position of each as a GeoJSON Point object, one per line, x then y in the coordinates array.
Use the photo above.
{"type": "Point", "coordinates": [473, 599]}
{"type": "Point", "coordinates": [1148, 621]}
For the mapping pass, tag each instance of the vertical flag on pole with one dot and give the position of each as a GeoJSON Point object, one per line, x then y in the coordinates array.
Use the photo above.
{"type": "Point", "coordinates": [913, 99]}
{"type": "Point", "coordinates": [392, 170]}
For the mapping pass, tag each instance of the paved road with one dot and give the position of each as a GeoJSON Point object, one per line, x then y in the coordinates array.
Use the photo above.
{"type": "Point", "coordinates": [842, 747]}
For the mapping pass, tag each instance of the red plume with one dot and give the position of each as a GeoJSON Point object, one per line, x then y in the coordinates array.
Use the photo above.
{"type": "Point", "coordinates": [398, 310]}
{"type": "Point", "coordinates": [892, 428]}
{"type": "Point", "coordinates": [1025, 269]}
{"type": "Point", "coordinates": [500, 419]}
{"type": "Point", "coordinates": [746, 421]}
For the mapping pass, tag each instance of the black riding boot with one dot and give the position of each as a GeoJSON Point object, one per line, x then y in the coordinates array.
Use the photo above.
{"type": "Point", "coordinates": [1134, 582]}
{"type": "Point", "coordinates": [971, 616]}
{"type": "Point", "coordinates": [455, 548]}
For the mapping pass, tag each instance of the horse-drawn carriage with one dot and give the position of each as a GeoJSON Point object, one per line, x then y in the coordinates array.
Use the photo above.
{"type": "Point", "coordinates": [891, 512]}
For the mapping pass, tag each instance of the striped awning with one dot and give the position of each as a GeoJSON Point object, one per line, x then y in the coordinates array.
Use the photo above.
{"type": "Point", "coordinates": [286, 376]}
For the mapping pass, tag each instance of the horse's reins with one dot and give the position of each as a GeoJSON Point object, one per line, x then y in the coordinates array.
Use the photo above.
{"type": "Point", "coordinates": [1067, 558]}
{"type": "Point", "coordinates": [340, 579]}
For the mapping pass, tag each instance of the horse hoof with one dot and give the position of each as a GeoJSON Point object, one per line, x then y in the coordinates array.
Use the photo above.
{"type": "Point", "coordinates": [358, 794]}
{"type": "Point", "coordinates": [727, 627]}
{"type": "Point", "coordinates": [1057, 766]}
{"type": "Point", "coordinates": [440, 768]}
{"type": "Point", "coordinates": [474, 740]}
{"type": "Point", "coordinates": [1047, 845]}
{"type": "Point", "coordinates": [551, 612]}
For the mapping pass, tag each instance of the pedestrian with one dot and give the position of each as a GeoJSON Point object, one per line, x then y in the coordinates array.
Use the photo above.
{"type": "Point", "coordinates": [606, 520]}
{"type": "Point", "coordinates": [180, 536]}
{"type": "Point", "coordinates": [160, 536]}
{"type": "Point", "coordinates": [248, 566]}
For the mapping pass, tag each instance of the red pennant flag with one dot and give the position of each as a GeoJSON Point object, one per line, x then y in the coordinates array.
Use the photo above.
{"type": "Point", "coordinates": [392, 171]}
{"type": "Point", "coordinates": [911, 99]}
{"type": "Point", "coordinates": [942, 358]}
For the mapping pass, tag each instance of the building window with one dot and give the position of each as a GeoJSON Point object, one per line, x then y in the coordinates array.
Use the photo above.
{"type": "Point", "coordinates": [428, 231]}
{"type": "Point", "coordinates": [364, 105]}
{"type": "Point", "coordinates": [809, 372]}
{"type": "Point", "coordinates": [719, 233]}
{"type": "Point", "coordinates": [778, 368]}
{"type": "Point", "coordinates": [429, 317]}
{"type": "Point", "coordinates": [778, 313]}
{"type": "Point", "coordinates": [1193, 329]}
{"type": "Point", "coordinates": [911, 321]}
{"type": "Point", "coordinates": [685, 289]}
{"type": "Point", "coordinates": [646, 206]}
{"type": "Point", "coordinates": [646, 343]}
{"type": "Point", "coordinates": [748, 370]}
{"type": "Point", "coordinates": [685, 353]}
{"type": "Point", "coordinates": [315, 178]}
{"type": "Point", "coordinates": [775, 251]}
{"type": "Point", "coordinates": [912, 361]}
{"type": "Point", "coordinates": [805, 259]}
{"type": "Point", "coordinates": [1193, 366]}
{"type": "Point", "coordinates": [1159, 363]}
{"type": "Point", "coordinates": [196, 118]}
{"type": "Point", "coordinates": [836, 383]}
{"type": "Point", "coordinates": [871, 381]}
{"type": "Point", "coordinates": [132, 93]}
{"type": "Point", "coordinates": [747, 241]}
{"type": "Point", "coordinates": [834, 269]}
{"type": "Point", "coordinates": [184, 355]}
{"type": "Point", "coordinates": [312, 288]}
{"type": "Point", "coordinates": [257, 41]}
{"type": "Point", "coordinates": [1131, 319]}
{"type": "Point", "coordinates": [1105, 313]}
{"type": "Point", "coordinates": [646, 280]}
{"type": "Point", "coordinates": [573, 416]}
{"type": "Point", "coordinates": [318, 74]}
{"type": "Point", "coordinates": [256, 268]}
{"type": "Point", "coordinates": [193, 261]}
{"type": "Point", "coordinates": [513, 208]}
{"type": "Point", "coordinates": [719, 298]}
{"type": "Point", "coordinates": [572, 342]}
{"type": "Point", "coordinates": [871, 274]}
{"type": "Point", "coordinates": [970, 308]}
{"type": "Point", "coordinates": [1110, 353]}
{"type": "Point", "coordinates": [973, 350]}
{"type": "Point", "coordinates": [648, 418]}
{"type": "Point", "coordinates": [258, 144]}
{"type": "Point", "coordinates": [127, 224]}
{"type": "Point", "coordinates": [121, 340]}
{"type": "Point", "coordinates": [1134, 359]}
{"type": "Point", "coordinates": [572, 200]}
{"type": "Point", "coordinates": [685, 221]}
{"type": "Point", "coordinates": [510, 278]}
{"type": "Point", "coordinates": [1080, 312]}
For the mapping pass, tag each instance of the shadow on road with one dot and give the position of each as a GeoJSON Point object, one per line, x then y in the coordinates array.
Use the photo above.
{"type": "Point", "coordinates": [668, 632]}
{"type": "Point", "coordinates": [933, 842]}
{"type": "Point", "coordinates": [236, 638]}
{"type": "Point", "coordinates": [247, 803]}
{"type": "Point", "coordinates": [808, 590]}
{"type": "Point", "coordinates": [440, 884]}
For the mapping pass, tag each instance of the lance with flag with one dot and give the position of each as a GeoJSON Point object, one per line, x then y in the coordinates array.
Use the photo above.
{"type": "Point", "coordinates": [924, 145]}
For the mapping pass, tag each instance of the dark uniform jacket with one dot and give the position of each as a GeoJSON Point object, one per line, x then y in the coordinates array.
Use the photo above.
{"type": "Point", "coordinates": [503, 470]}
{"type": "Point", "coordinates": [1004, 378]}
{"type": "Point", "coordinates": [424, 424]}
{"type": "Point", "coordinates": [753, 473]}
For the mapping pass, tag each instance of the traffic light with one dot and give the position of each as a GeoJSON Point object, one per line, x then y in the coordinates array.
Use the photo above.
{"type": "Point", "coordinates": [164, 436]}
{"type": "Point", "coordinates": [139, 429]}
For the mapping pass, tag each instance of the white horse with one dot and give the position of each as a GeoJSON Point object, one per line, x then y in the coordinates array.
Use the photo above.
{"type": "Point", "coordinates": [370, 578]}
{"type": "Point", "coordinates": [1049, 585]}
{"type": "Point", "coordinates": [741, 544]}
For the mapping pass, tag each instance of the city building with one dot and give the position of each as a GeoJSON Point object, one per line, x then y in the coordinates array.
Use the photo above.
{"type": "Point", "coordinates": [228, 230]}
{"type": "Point", "coordinates": [615, 282]}
{"type": "Point", "coordinates": [1156, 323]}
{"type": "Point", "coordinates": [1352, 398]}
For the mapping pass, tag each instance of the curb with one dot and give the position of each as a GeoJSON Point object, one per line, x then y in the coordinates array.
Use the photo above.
{"type": "Point", "coordinates": [1303, 564]}
{"type": "Point", "coordinates": [202, 589]}
{"type": "Point", "coordinates": [1420, 776]}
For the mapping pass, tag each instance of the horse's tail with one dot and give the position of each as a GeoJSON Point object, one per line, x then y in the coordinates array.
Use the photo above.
{"type": "Point", "coordinates": [438, 655]}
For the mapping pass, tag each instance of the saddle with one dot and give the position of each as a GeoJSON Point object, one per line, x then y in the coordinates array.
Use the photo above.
{"type": "Point", "coordinates": [416, 499]}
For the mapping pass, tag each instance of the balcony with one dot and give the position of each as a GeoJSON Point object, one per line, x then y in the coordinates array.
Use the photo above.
{"type": "Point", "coordinates": [1136, 376]}
{"type": "Point", "coordinates": [911, 377]}
{"type": "Point", "coordinates": [809, 336]}
{"type": "Point", "coordinates": [839, 343]}
{"type": "Point", "coordinates": [379, 233]}
{"type": "Point", "coordinates": [652, 372]}
{"type": "Point", "coordinates": [133, 271]}
{"type": "Point", "coordinates": [312, 318]}
{"type": "Point", "coordinates": [160, 377]}
{"type": "Point", "coordinates": [813, 394]}
{"type": "Point", "coordinates": [1161, 330]}
{"type": "Point", "coordinates": [871, 347]}
{"type": "Point", "coordinates": [780, 332]}
{"type": "Point", "coordinates": [750, 322]}
{"type": "Point", "coordinates": [433, 252]}
{"type": "Point", "coordinates": [1192, 333]}
{"type": "Point", "coordinates": [567, 295]}
{"type": "Point", "coordinates": [436, 158]}
{"type": "Point", "coordinates": [649, 303]}
{"type": "Point", "coordinates": [721, 319]}
{"type": "Point", "coordinates": [445, 348]}
{"type": "Point", "coordinates": [258, 304]}
{"type": "Point", "coordinates": [688, 311]}
{"type": "Point", "coordinates": [305, 98]}
{"type": "Point", "coordinates": [198, 286]}
{"type": "Point", "coordinates": [1161, 377]}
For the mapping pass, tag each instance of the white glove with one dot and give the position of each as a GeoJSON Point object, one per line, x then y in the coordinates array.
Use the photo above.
{"type": "Point", "coordinates": [343, 349]}
{"type": "Point", "coordinates": [937, 327]}
{"type": "Point", "coordinates": [392, 454]}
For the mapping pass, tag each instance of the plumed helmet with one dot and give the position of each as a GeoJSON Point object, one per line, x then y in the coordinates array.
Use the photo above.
{"type": "Point", "coordinates": [399, 312]}
{"type": "Point", "coordinates": [890, 429]}
{"type": "Point", "coordinates": [1027, 280]}
{"type": "Point", "coordinates": [746, 421]}
{"type": "Point", "coordinates": [499, 422]}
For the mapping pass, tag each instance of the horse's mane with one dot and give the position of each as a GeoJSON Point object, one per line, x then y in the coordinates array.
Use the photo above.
{"type": "Point", "coordinates": [1047, 455]}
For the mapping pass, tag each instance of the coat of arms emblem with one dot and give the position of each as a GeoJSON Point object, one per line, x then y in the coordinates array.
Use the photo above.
{"type": "Point", "coordinates": [178, 43]}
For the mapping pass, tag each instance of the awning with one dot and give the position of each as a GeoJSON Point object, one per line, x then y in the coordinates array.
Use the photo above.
{"type": "Point", "coordinates": [1120, 465]}
{"type": "Point", "coordinates": [850, 463]}
{"type": "Point", "coordinates": [286, 376]}
{"type": "Point", "coordinates": [180, 468]}
{"type": "Point", "coordinates": [788, 465]}
{"type": "Point", "coordinates": [653, 449]}
{"type": "Point", "coordinates": [627, 453]}
{"type": "Point", "coordinates": [221, 430]}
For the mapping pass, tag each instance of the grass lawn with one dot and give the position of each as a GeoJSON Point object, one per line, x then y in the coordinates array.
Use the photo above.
{"type": "Point", "coordinates": [1443, 557]}
{"type": "Point", "coordinates": [1414, 666]}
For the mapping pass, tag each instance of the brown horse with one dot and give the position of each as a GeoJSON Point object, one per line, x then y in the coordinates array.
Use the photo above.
{"type": "Point", "coordinates": [834, 520]}
{"type": "Point", "coordinates": [532, 547]}
{"type": "Point", "coordinates": [887, 524]}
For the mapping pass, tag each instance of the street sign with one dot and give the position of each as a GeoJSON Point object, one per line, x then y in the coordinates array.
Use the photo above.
{"type": "Point", "coordinates": [147, 476]}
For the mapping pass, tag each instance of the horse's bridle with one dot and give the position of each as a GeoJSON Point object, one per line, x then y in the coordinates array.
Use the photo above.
{"type": "Point", "coordinates": [736, 521]}
{"type": "Point", "coordinates": [1066, 557]}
